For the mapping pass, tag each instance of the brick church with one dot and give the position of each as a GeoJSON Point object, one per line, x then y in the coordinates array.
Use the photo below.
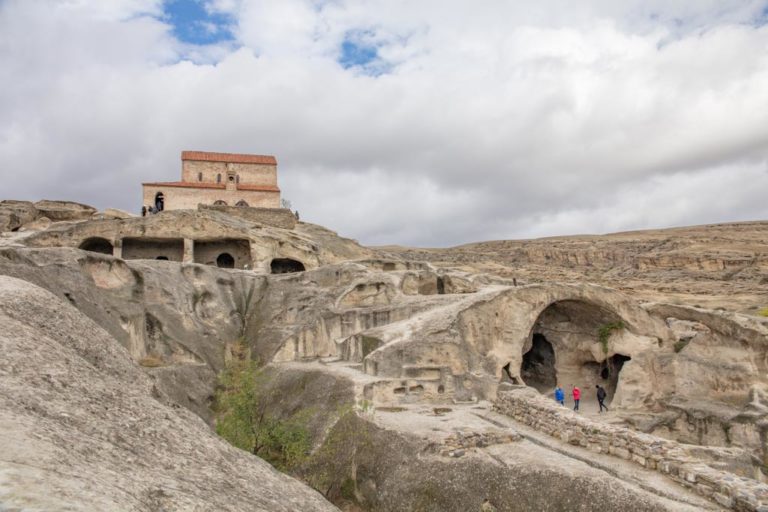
{"type": "Point", "coordinates": [219, 179]}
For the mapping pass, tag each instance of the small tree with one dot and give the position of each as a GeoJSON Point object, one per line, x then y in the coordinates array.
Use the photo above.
{"type": "Point", "coordinates": [243, 418]}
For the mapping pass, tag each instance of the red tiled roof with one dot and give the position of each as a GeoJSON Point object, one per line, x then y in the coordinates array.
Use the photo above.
{"type": "Point", "coordinates": [234, 158]}
{"type": "Point", "coordinates": [220, 186]}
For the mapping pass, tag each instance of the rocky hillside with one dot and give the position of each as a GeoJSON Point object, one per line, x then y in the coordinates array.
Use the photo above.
{"type": "Point", "coordinates": [83, 427]}
{"type": "Point", "coordinates": [715, 266]}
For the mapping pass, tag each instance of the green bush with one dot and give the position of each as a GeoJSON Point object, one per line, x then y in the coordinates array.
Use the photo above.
{"type": "Point", "coordinates": [605, 331]}
{"type": "Point", "coordinates": [763, 312]}
{"type": "Point", "coordinates": [243, 419]}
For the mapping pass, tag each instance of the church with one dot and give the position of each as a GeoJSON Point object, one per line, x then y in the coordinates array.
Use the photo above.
{"type": "Point", "coordinates": [226, 179]}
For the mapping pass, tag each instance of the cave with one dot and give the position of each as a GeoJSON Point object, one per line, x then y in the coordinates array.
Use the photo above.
{"type": "Point", "coordinates": [610, 371]}
{"type": "Point", "coordinates": [538, 368]}
{"type": "Point", "coordinates": [225, 260]}
{"type": "Point", "coordinates": [572, 328]}
{"type": "Point", "coordinates": [223, 252]}
{"type": "Point", "coordinates": [171, 249]}
{"type": "Point", "coordinates": [286, 266]}
{"type": "Point", "coordinates": [97, 244]}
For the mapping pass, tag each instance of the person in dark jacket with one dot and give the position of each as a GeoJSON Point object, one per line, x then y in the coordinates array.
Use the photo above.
{"type": "Point", "coordinates": [601, 394]}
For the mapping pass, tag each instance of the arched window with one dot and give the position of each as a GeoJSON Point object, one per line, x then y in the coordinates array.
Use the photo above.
{"type": "Point", "coordinates": [220, 202]}
{"type": "Point", "coordinates": [218, 178]}
{"type": "Point", "coordinates": [199, 176]}
{"type": "Point", "coordinates": [237, 179]}
{"type": "Point", "coordinates": [242, 203]}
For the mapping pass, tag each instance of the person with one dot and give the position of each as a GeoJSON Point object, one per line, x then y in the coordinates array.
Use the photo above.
{"type": "Point", "coordinates": [576, 393]}
{"type": "Point", "coordinates": [559, 395]}
{"type": "Point", "coordinates": [601, 394]}
{"type": "Point", "coordinates": [487, 506]}
{"type": "Point", "coordinates": [143, 211]}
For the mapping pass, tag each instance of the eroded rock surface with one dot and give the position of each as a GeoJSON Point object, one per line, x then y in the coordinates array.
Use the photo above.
{"type": "Point", "coordinates": [83, 428]}
{"type": "Point", "coordinates": [408, 334]}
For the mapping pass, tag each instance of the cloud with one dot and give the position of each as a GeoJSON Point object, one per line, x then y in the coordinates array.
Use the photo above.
{"type": "Point", "coordinates": [500, 121]}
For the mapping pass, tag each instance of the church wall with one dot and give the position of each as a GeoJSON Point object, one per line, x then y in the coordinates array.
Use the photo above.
{"type": "Point", "coordinates": [178, 198]}
{"type": "Point", "coordinates": [251, 174]}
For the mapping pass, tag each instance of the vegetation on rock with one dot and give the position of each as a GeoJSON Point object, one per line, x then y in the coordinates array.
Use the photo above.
{"type": "Point", "coordinates": [605, 331]}
{"type": "Point", "coordinates": [243, 418]}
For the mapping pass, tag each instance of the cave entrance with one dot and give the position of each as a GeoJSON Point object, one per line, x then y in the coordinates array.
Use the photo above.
{"type": "Point", "coordinates": [97, 244]}
{"type": "Point", "coordinates": [538, 368]}
{"type": "Point", "coordinates": [286, 266]}
{"type": "Point", "coordinates": [609, 372]}
{"type": "Point", "coordinates": [563, 343]}
{"type": "Point", "coordinates": [225, 260]}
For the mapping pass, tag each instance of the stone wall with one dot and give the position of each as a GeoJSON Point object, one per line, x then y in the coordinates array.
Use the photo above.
{"type": "Point", "coordinates": [187, 198]}
{"type": "Point", "coordinates": [250, 174]}
{"type": "Point", "coordinates": [667, 457]}
{"type": "Point", "coordinates": [276, 217]}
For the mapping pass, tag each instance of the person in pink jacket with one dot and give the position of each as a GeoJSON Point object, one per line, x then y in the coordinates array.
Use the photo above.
{"type": "Point", "coordinates": [576, 393]}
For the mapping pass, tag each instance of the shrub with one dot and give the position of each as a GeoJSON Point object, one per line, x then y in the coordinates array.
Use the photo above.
{"type": "Point", "coordinates": [243, 418]}
{"type": "Point", "coordinates": [605, 331]}
{"type": "Point", "coordinates": [763, 312]}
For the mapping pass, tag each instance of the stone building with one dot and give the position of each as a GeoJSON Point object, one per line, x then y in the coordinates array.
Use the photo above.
{"type": "Point", "coordinates": [225, 179]}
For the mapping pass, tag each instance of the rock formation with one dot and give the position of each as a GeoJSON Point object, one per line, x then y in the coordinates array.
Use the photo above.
{"type": "Point", "coordinates": [412, 333]}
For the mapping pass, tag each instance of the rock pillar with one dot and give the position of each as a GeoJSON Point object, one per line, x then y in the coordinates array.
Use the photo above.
{"type": "Point", "coordinates": [189, 250]}
{"type": "Point", "coordinates": [117, 248]}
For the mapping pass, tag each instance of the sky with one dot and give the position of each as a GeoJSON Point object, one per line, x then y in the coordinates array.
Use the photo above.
{"type": "Point", "coordinates": [415, 122]}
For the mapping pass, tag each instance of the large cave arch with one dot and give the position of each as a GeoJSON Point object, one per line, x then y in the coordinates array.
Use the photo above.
{"type": "Point", "coordinates": [564, 348]}
{"type": "Point", "coordinates": [97, 244]}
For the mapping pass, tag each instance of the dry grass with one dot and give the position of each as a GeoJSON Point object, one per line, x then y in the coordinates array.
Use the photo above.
{"type": "Point", "coordinates": [151, 361]}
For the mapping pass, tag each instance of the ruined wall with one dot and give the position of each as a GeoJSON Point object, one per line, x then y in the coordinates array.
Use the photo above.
{"type": "Point", "coordinates": [207, 252]}
{"type": "Point", "coordinates": [667, 457]}
{"type": "Point", "coordinates": [277, 217]}
{"type": "Point", "coordinates": [187, 198]}
{"type": "Point", "coordinates": [152, 249]}
{"type": "Point", "coordinates": [251, 174]}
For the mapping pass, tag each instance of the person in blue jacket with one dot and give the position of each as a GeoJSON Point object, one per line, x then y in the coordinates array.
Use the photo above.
{"type": "Point", "coordinates": [559, 395]}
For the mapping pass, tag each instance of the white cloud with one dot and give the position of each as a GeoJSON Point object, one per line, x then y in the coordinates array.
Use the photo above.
{"type": "Point", "coordinates": [504, 120]}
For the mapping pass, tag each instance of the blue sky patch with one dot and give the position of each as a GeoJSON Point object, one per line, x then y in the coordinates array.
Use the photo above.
{"type": "Point", "coordinates": [193, 24]}
{"type": "Point", "coordinates": [359, 51]}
